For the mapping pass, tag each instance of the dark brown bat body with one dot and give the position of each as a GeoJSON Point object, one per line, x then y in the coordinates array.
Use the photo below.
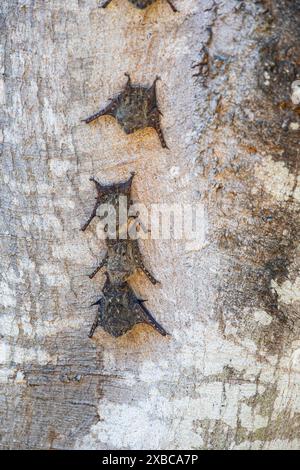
{"type": "Point", "coordinates": [120, 310]}
{"type": "Point", "coordinates": [141, 4]}
{"type": "Point", "coordinates": [134, 108]}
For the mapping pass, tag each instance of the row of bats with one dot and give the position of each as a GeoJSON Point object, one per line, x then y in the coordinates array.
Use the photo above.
{"type": "Point", "coordinates": [119, 309]}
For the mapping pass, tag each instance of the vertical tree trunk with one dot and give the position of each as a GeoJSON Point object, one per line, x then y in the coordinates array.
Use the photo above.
{"type": "Point", "coordinates": [229, 374]}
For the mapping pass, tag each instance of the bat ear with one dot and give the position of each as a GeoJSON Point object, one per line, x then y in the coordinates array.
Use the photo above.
{"type": "Point", "coordinates": [130, 180]}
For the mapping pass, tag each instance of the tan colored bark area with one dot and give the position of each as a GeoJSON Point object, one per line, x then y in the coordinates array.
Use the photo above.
{"type": "Point", "coordinates": [229, 374]}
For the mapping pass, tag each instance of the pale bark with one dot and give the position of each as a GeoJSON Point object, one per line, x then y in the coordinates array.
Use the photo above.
{"type": "Point", "coordinates": [229, 374]}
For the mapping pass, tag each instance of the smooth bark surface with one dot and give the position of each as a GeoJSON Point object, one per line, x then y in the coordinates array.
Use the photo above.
{"type": "Point", "coordinates": [229, 374]}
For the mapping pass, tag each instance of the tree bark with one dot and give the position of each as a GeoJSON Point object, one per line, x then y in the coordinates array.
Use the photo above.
{"type": "Point", "coordinates": [228, 377]}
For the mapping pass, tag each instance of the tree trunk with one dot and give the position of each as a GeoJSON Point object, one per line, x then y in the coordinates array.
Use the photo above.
{"type": "Point", "coordinates": [228, 376]}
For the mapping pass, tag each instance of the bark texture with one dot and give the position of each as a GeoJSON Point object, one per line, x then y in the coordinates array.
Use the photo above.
{"type": "Point", "coordinates": [229, 376]}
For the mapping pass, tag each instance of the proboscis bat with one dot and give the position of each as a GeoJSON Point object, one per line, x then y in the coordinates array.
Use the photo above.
{"type": "Point", "coordinates": [119, 310]}
{"type": "Point", "coordinates": [140, 4]}
{"type": "Point", "coordinates": [134, 108]}
{"type": "Point", "coordinates": [109, 194]}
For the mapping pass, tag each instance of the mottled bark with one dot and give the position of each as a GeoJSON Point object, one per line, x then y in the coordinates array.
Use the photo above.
{"type": "Point", "coordinates": [229, 374]}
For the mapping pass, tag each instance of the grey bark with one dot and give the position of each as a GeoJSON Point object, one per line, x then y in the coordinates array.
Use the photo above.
{"type": "Point", "coordinates": [229, 375]}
